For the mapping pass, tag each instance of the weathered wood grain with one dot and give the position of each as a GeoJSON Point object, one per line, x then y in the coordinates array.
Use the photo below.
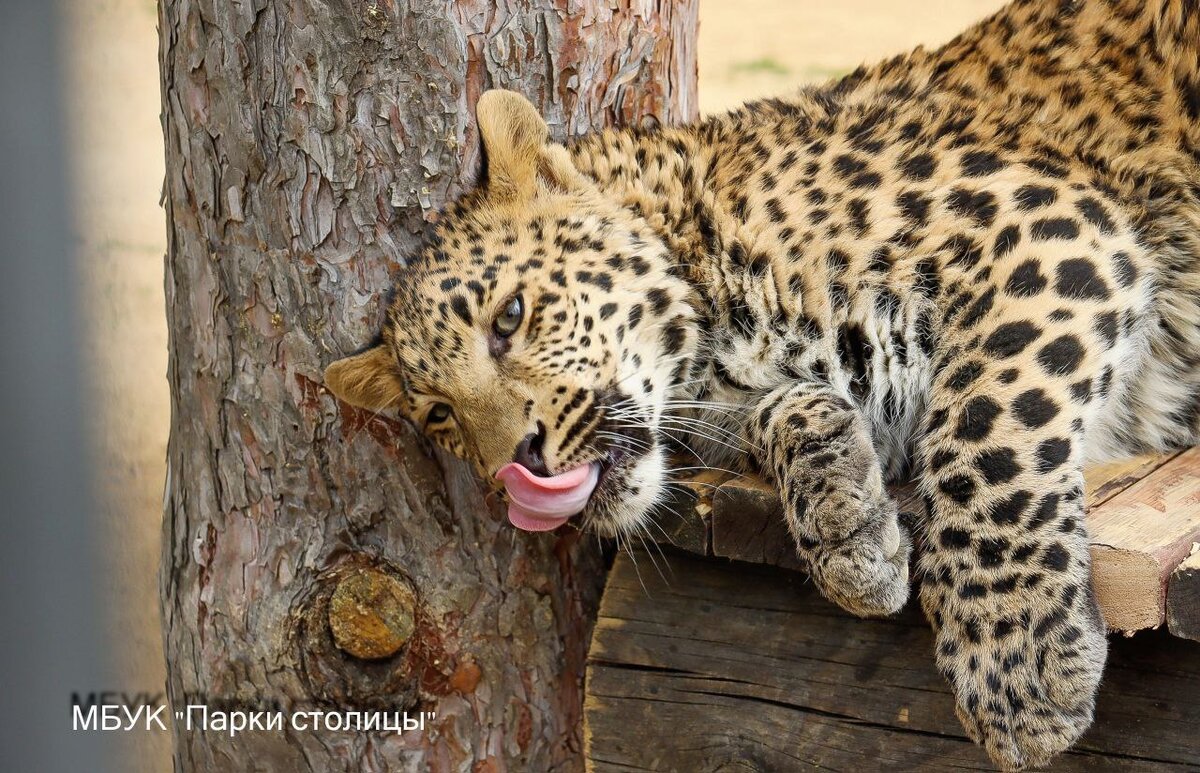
{"type": "Point", "coordinates": [309, 143]}
{"type": "Point", "coordinates": [1139, 536]}
{"type": "Point", "coordinates": [685, 519]}
{"type": "Point", "coordinates": [726, 666]}
{"type": "Point", "coordinates": [748, 524]}
{"type": "Point", "coordinates": [1183, 597]}
{"type": "Point", "coordinates": [1143, 513]}
{"type": "Point", "coordinates": [1104, 481]}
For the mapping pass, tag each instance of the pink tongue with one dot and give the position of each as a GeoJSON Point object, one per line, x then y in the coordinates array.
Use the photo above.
{"type": "Point", "coordinates": [541, 504]}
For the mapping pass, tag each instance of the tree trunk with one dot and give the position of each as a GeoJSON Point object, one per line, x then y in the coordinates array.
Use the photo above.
{"type": "Point", "coordinates": [316, 557]}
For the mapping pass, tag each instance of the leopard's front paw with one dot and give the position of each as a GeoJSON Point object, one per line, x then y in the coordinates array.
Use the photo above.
{"type": "Point", "coordinates": [1025, 685]}
{"type": "Point", "coordinates": [866, 572]}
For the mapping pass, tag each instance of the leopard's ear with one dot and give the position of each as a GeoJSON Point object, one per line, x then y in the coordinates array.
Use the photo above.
{"type": "Point", "coordinates": [367, 380]}
{"type": "Point", "coordinates": [517, 145]}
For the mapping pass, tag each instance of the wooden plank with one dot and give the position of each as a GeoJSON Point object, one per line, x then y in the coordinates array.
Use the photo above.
{"type": "Point", "coordinates": [1139, 536]}
{"type": "Point", "coordinates": [683, 521]}
{"type": "Point", "coordinates": [748, 524]}
{"type": "Point", "coordinates": [736, 666]}
{"type": "Point", "coordinates": [1104, 481]}
{"type": "Point", "coordinates": [1183, 597]}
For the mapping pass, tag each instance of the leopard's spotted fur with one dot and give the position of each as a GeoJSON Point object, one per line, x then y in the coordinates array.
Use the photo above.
{"type": "Point", "coordinates": [980, 263]}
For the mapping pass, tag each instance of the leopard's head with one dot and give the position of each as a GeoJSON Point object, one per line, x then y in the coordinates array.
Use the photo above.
{"type": "Point", "coordinates": [539, 334]}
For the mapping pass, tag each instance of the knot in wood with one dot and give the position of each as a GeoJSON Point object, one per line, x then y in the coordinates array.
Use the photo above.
{"type": "Point", "coordinates": [371, 614]}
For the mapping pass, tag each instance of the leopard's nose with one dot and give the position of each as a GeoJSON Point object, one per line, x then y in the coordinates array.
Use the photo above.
{"type": "Point", "coordinates": [529, 452]}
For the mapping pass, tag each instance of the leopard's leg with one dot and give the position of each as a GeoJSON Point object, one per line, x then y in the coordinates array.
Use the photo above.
{"type": "Point", "coordinates": [816, 448]}
{"type": "Point", "coordinates": [1005, 566]}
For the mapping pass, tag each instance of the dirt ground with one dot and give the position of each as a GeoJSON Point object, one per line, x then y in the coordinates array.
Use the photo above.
{"type": "Point", "coordinates": [760, 48]}
{"type": "Point", "coordinates": [748, 48]}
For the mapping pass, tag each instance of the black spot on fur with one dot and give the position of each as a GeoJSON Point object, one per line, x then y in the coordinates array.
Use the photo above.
{"type": "Point", "coordinates": [1056, 558]}
{"type": "Point", "coordinates": [1106, 327]}
{"type": "Point", "coordinates": [1052, 453]}
{"type": "Point", "coordinates": [964, 376]}
{"type": "Point", "coordinates": [914, 207]}
{"type": "Point", "coordinates": [854, 353]}
{"type": "Point", "coordinates": [1046, 510]}
{"type": "Point", "coordinates": [1026, 280]}
{"type": "Point", "coordinates": [860, 212]}
{"type": "Point", "coordinates": [1077, 279]}
{"type": "Point", "coordinates": [839, 295]}
{"type": "Point", "coordinates": [928, 281]}
{"type": "Point", "coordinates": [998, 465]}
{"type": "Point", "coordinates": [991, 551]}
{"type": "Point", "coordinates": [837, 260]}
{"type": "Point", "coordinates": [1033, 408]}
{"type": "Point", "coordinates": [972, 590]}
{"type": "Point", "coordinates": [978, 309]}
{"type": "Point", "coordinates": [1049, 623]}
{"type": "Point", "coordinates": [941, 459]}
{"type": "Point", "coordinates": [980, 206]}
{"type": "Point", "coordinates": [866, 180]}
{"type": "Point", "coordinates": [1006, 240]}
{"type": "Point", "coordinates": [1009, 510]}
{"type": "Point", "coordinates": [601, 279]}
{"type": "Point", "coordinates": [1095, 213]}
{"type": "Point", "coordinates": [1054, 228]}
{"type": "Point", "coordinates": [1126, 271]}
{"type": "Point", "coordinates": [462, 308]}
{"type": "Point", "coordinates": [847, 165]}
{"type": "Point", "coordinates": [880, 260]}
{"type": "Point", "coordinates": [660, 301]}
{"type": "Point", "coordinates": [964, 251]}
{"type": "Point", "coordinates": [976, 419]}
{"type": "Point", "coordinates": [960, 488]}
{"type": "Point", "coordinates": [1030, 197]}
{"type": "Point", "coordinates": [1062, 356]}
{"type": "Point", "coordinates": [673, 336]}
{"type": "Point", "coordinates": [918, 167]}
{"type": "Point", "coordinates": [954, 539]}
{"type": "Point", "coordinates": [980, 163]}
{"type": "Point", "coordinates": [1011, 338]}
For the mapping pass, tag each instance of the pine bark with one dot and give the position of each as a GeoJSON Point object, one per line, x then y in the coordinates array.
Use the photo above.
{"type": "Point", "coordinates": [309, 143]}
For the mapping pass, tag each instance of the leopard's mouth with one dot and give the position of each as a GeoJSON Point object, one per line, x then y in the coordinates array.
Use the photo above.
{"type": "Point", "coordinates": [613, 502]}
{"type": "Point", "coordinates": [614, 458]}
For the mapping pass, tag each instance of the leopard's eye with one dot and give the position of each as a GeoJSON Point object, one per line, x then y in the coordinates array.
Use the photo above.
{"type": "Point", "coordinates": [439, 413]}
{"type": "Point", "coordinates": [510, 318]}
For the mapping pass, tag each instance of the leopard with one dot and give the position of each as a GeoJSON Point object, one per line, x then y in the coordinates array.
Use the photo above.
{"type": "Point", "coordinates": [976, 266]}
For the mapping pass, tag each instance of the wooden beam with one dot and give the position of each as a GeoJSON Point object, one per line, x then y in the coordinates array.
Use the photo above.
{"type": "Point", "coordinates": [1143, 513]}
{"type": "Point", "coordinates": [1104, 481]}
{"type": "Point", "coordinates": [748, 525]}
{"type": "Point", "coordinates": [734, 666]}
{"type": "Point", "coordinates": [684, 520]}
{"type": "Point", "coordinates": [1139, 536]}
{"type": "Point", "coordinates": [1183, 597]}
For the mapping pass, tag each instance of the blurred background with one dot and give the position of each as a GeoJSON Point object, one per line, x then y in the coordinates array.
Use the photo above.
{"type": "Point", "coordinates": [748, 49]}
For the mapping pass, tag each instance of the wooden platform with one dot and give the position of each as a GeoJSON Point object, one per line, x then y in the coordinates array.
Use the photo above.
{"type": "Point", "coordinates": [1143, 514]}
{"type": "Point", "coordinates": [726, 666]}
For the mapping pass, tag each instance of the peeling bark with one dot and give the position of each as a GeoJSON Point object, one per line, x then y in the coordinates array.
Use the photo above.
{"type": "Point", "coordinates": [308, 143]}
